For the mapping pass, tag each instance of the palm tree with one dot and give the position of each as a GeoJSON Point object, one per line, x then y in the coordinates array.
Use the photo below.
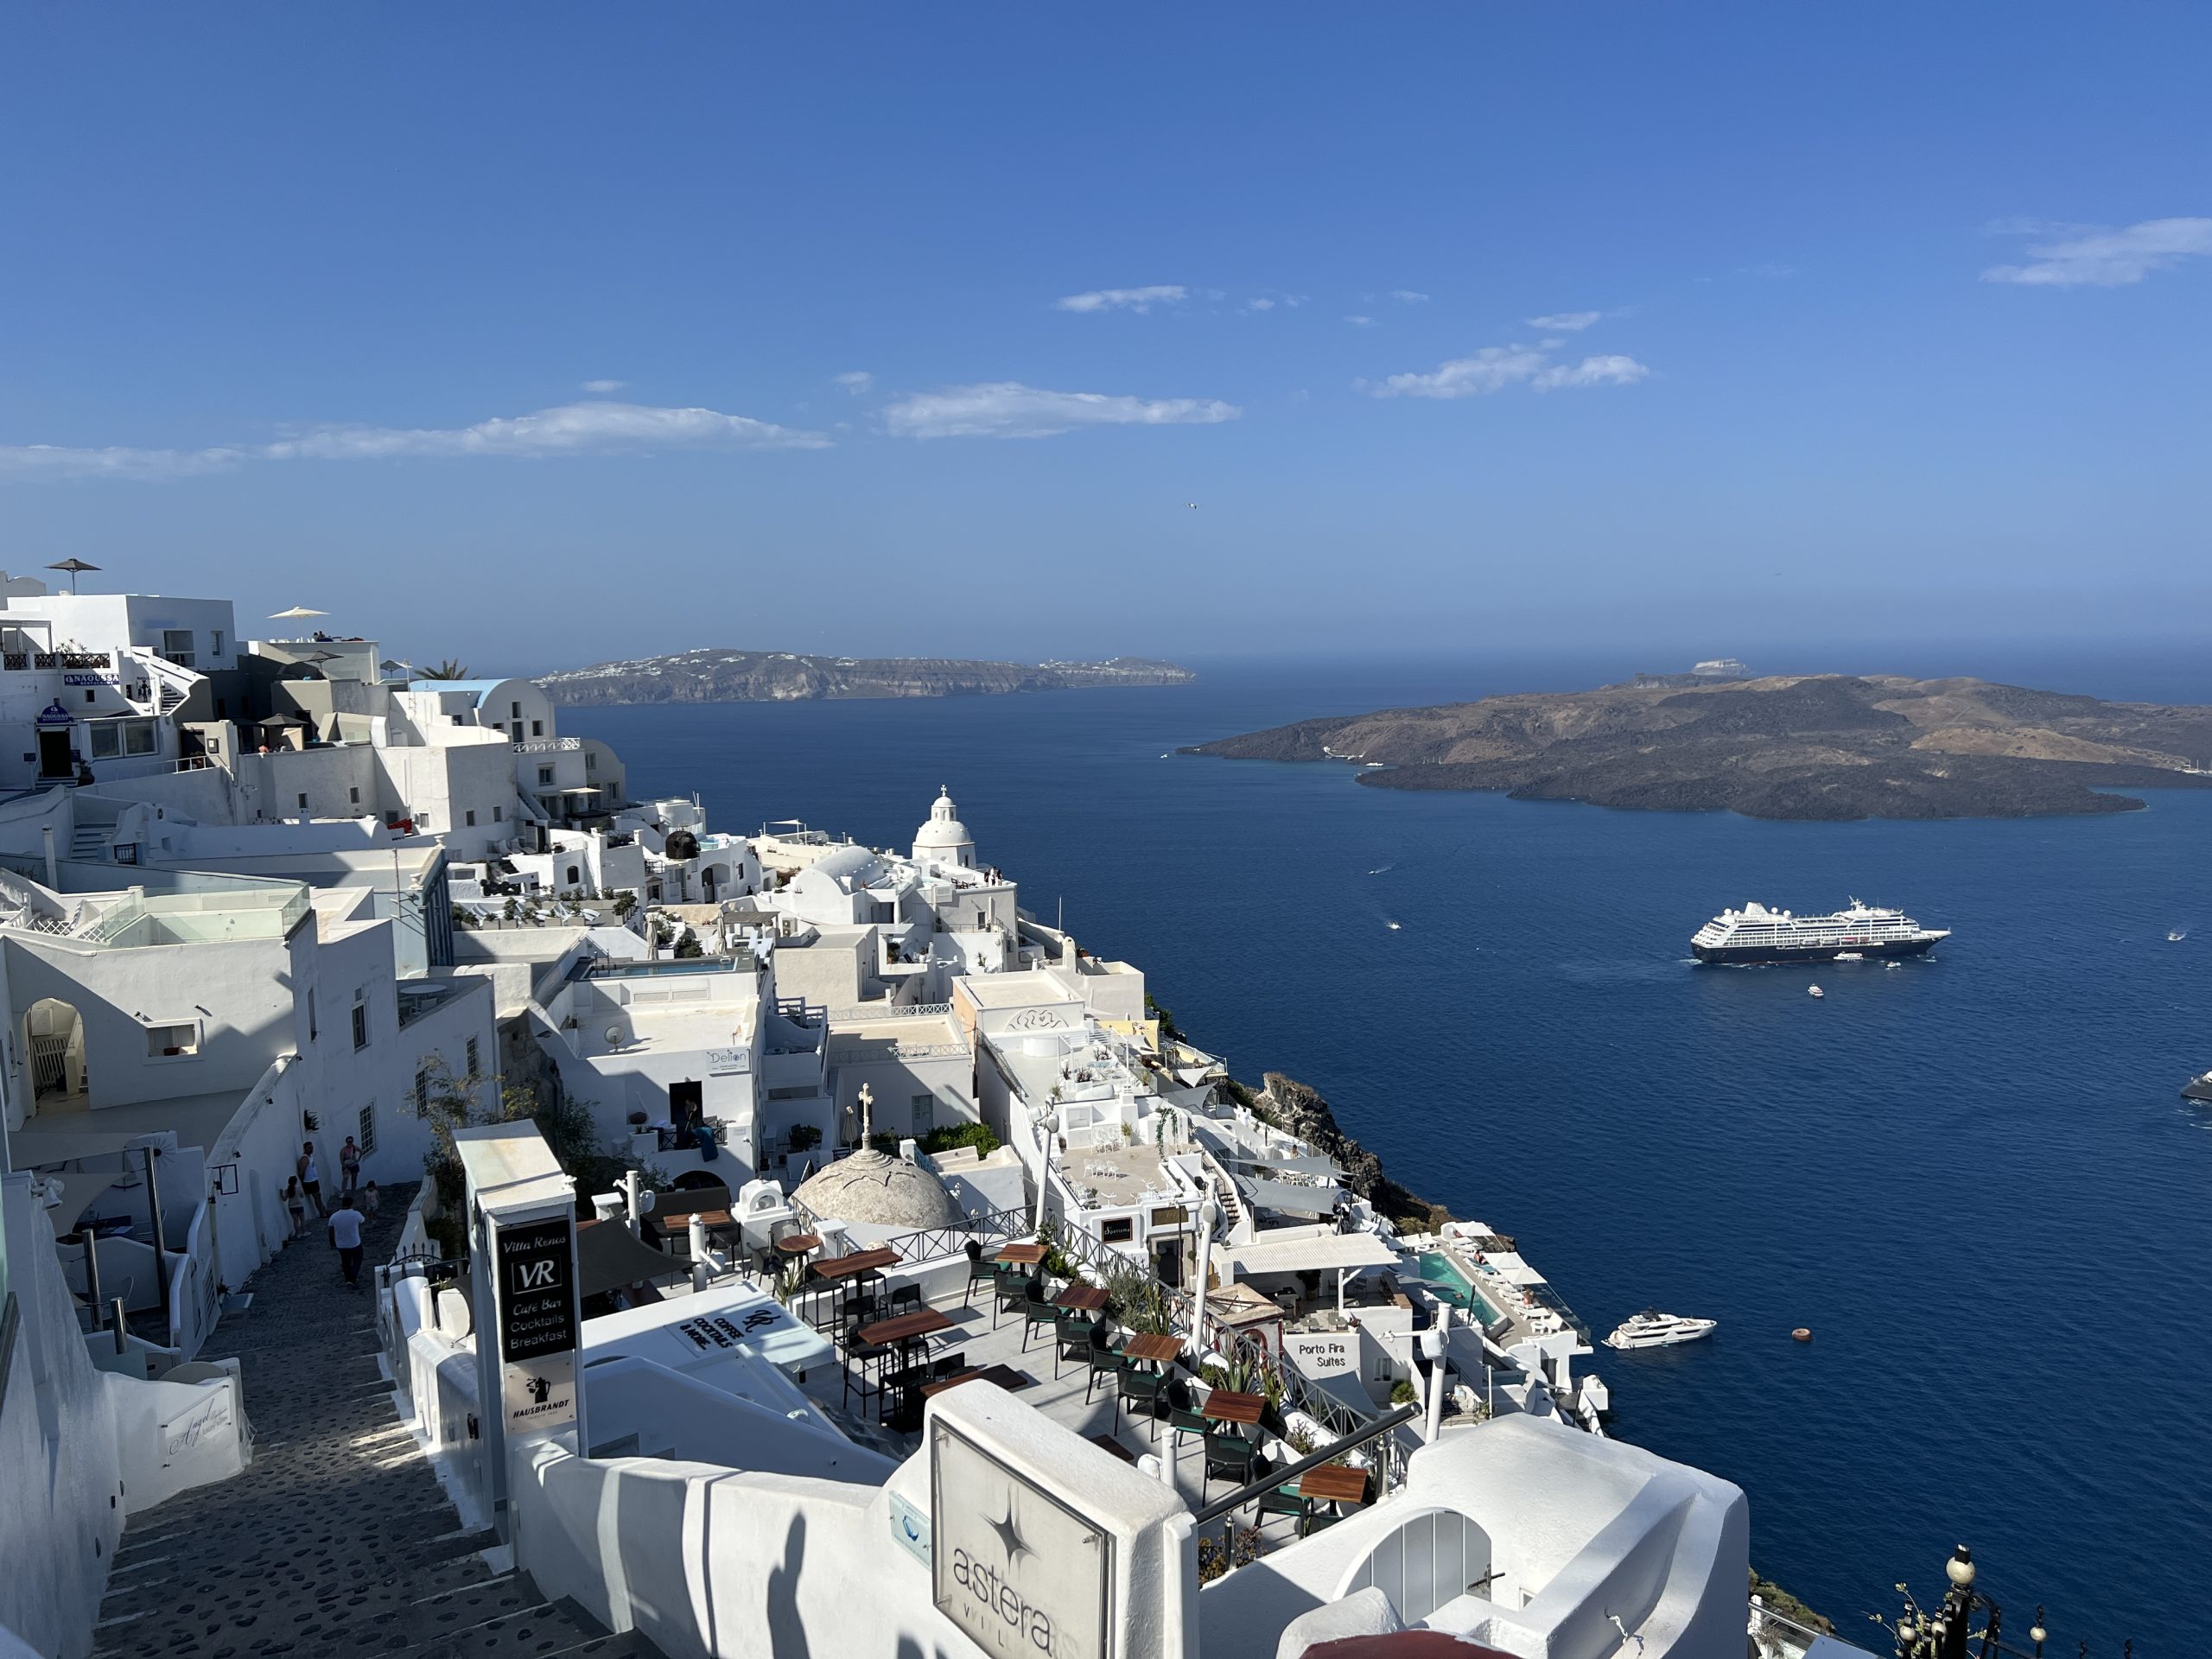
{"type": "Point", "coordinates": [448, 670]}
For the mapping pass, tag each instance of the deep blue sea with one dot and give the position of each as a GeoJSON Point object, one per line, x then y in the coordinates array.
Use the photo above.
{"type": "Point", "coordinates": [1973, 1178]}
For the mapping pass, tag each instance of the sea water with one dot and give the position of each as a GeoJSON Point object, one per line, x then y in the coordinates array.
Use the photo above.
{"type": "Point", "coordinates": [1971, 1177]}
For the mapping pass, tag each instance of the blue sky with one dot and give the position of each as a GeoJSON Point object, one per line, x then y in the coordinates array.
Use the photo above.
{"type": "Point", "coordinates": [543, 334]}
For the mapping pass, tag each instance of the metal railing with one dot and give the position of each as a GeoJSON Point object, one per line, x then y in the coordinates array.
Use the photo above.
{"type": "Point", "coordinates": [547, 745]}
{"type": "Point", "coordinates": [911, 1011]}
{"type": "Point", "coordinates": [937, 1243]}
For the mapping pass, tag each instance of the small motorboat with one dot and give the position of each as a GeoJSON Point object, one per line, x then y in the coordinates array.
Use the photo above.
{"type": "Point", "coordinates": [1393, 926]}
{"type": "Point", "coordinates": [1893, 966]}
{"type": "Point", "coordinates": [1851, 956]}
{"type": "Point", "coordinates": [1652, 1329]}
{"type": "Point", "coordinates": [1814, 991]}
{"type": "Point", "coordinates": [2198, 1089]}
{"type": "Point", "coordinates": [2175, 935]}
{"type": "Point", "coordinates": [1802, 1334]}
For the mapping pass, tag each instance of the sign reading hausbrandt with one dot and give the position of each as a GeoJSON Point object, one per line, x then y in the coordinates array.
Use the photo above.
{"type": "Point", "coordinates": [541, 1395]}
{"type": "Point", "coordinates": [537, 1289]}
{"type": "Point", "coordinates": [1011, 1565]}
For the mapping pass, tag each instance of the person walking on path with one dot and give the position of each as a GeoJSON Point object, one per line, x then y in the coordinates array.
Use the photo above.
{"type": "Point", "coordinates": [310, 1177]}
{"type": "Point", "coordinates": [349, 1167]}
{"type": "Point", "coordinates": [345, 1234]}
{"type": "Point", "coordinates": [296, 1202]}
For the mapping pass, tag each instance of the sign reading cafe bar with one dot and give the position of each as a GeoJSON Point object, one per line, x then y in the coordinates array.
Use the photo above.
{"type": "Point", "coordinates": [537, 1322]}
{"type": "Point", "coordinates": [1014, 1567]}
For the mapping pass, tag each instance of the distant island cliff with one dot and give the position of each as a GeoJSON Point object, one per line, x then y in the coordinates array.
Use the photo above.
{"type": "Point", "coordinates": [717, 675]}
{"type": "Point", "coordinates": [1804, 747]}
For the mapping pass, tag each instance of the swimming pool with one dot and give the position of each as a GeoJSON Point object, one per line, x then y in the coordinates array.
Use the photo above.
{"type": "Point", "coordinates": [1443, 1277]}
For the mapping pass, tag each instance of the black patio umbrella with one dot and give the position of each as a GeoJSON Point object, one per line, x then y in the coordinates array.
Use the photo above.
{"type": "Point", "coordinates": [75, 568]}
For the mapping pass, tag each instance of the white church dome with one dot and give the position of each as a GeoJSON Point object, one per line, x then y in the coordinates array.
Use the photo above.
{"type": "Point", "coordinates": [879, 1191]}
{"type": "Point", "coordinates": [944, 835]}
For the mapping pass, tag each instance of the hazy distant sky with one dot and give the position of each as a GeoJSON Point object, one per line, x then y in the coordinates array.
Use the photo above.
{"type": "Point", "coordinates": [539, 335]}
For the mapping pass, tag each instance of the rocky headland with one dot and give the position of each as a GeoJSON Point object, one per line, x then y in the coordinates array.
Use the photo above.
{"type": "Point", "coordinates": [1828, 746]}
{"type": "Point", "coordinates": [718, 674]}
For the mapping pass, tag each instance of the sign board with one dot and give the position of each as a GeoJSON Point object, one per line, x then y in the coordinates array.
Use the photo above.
{"type": "Point", "coordinates": [54, 714]}
{"type": "Point", "coordinates": [911, 1528]}
{"type": "Point", "coordinates": [540, 1395]}
{"type": "Point", "coordinates": [1019, 1571]}
{"type": "Point", "coordinates": [537, 1289]}
{"type": "Point", "coordinates": [724, 1331]}
{"type": "Point", "coordinates": [1319, 1354]}
{"type": "Point", "coordinates": [90, 679]}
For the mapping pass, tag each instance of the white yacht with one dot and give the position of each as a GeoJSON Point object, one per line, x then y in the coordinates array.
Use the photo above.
{"type": "Point", "coordinates": [1652, 1329]}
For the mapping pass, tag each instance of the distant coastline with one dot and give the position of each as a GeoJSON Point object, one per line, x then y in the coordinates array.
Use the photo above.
{"type": "Point", "coordinates": [1820, 747]}
{"type": "Point", "coordinates": [720, 675]}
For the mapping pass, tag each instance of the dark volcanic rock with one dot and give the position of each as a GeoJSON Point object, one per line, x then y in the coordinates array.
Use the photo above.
{"type": "Point", "coordinates": [1809, 747]}
{"type": "Point", "coordinates": [721, 676]}
{"type": "Point", "coordinates": [1291, 1105]}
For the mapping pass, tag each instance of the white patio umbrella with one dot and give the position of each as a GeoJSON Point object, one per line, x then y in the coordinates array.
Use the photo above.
{"type": "Point", "coordinates": [296, 611]}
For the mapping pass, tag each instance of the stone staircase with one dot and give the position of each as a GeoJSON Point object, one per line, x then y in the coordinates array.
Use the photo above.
{"type": "Point", "coordinates": [338, 1538]}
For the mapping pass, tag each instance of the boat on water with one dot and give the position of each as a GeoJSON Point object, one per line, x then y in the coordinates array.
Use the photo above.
{"type": "Point", "coordinates": [1652, 1329]}
{"type": "Point", "coordinates": [1757, 934]}
{"type": "Point", "coordinates": [1814, 991]}
{"type": "Point", "coordinates": [2198, 1089]}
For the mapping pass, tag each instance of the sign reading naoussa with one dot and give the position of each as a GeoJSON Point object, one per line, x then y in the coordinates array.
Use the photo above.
{"type": "Point", "coordinates": [1014, 1567]}
{"type": "Point", "coordinates": [537, 1289]}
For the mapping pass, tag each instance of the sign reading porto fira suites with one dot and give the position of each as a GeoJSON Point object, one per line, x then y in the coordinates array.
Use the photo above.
{"type": "Point", "coordinates": [1014, 1567]}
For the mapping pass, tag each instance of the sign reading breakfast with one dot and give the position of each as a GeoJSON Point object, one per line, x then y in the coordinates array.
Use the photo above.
{"type": "Point", "coordinates": [1014, 1567]}
{"type": "Point", "coordinates": [537, 1289]}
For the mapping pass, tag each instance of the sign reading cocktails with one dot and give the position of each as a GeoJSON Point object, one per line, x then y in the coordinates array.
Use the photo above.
{"type": "Point", "coordinates": [1012, 1566]}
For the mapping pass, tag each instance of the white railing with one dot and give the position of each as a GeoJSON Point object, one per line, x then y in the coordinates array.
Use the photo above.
{"type": "Point", "coordinates": [549, 744]}
{"type": "Point", "coordinates": [911, 1011]}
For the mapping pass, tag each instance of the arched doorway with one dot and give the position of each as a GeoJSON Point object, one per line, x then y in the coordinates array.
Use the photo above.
{"type": "Point", "coordinates": [54, 1035]}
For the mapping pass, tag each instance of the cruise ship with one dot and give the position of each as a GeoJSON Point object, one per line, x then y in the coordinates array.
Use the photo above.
{"type": "Point", "coordinates": [1757, 934]}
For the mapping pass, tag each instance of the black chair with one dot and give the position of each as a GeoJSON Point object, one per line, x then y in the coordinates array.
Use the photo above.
{"type": "Point", "coordinates": [1228, 1456]}
{"type": "Point", "coordinates": [1188, 1422]}
{"type": "Point", "coordinates": [860, 1355]}
{"type": "Point", "coordinates": [1134, 1388]}
{"type": "Point", "coordinates": [1034, 1313]}
{"type": "Point", "coordinates": [908, 1297]}
{"type": "Point", "coordinates": [1072, 1340]}
{"type": "Point", "coordinates": [1104, 1362]}
{"type": "Point", "coordinates": [981, 1270]}
{"type": "Point", "coordinates": [949, 1365]}
{"type": "Point", "coordinates": [1284, 1500]}
{"type": "Point", "coordinates": [1008, 1289]}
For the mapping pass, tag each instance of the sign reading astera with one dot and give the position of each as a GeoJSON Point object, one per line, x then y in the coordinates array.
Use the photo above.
{"type": "Point", "coordinates": [1014, 1567]}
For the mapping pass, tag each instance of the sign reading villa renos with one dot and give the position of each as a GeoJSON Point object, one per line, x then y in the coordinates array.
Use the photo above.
{"type": "Point", "coordinates": [1015, 1568]}
{"type": "Point", "coordinates": [537, 1289]}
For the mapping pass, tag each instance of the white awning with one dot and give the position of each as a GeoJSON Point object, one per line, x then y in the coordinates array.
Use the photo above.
{"type": "Point", "coordinates": [1324, 1252]}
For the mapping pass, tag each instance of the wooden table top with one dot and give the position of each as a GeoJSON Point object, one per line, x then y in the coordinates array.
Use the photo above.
{"type": "Point", "coordinates": [1152, 1348]}
{"type": "Point", "coordinates": [1022, 1255]}
{"type": "Point", "coordinates": [797, 1243]}
{"type": "Point", "coordinates": [1333, 1482]}
{"type": "Point", "coordinates": [1084, 1299]}
{"type": "Point", "coordinates": [847, 1267]}
{"type": "Point", "coordinates": [711, 1217]}
{"type": "Point", "coordinates": [904, 1327]}
{"type": "Point", "coordinates": [1222, 1407]}
{"type": "Point", "coordinates": [1004, 1376]}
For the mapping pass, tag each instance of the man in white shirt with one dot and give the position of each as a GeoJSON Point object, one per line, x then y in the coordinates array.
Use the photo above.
{"type": "Point", "coordinates": [345, 1234]}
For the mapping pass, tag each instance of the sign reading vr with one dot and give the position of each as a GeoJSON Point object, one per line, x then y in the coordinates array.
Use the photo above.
{"type": "Point", "coordinates": [537, 1290]}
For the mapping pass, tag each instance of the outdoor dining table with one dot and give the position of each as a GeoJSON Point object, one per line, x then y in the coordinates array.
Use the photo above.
{"type": "Point", "coordinates": [1150, 1348]}
{"type": "Point", "coordinates": [1223, 1407]}
{"type": "Point", "coordinates": [1084, 1298]}
{"type": "Point", "coordinates": [1021, 1255]}
{"type": "Point", "coordinates": [861, 1264]}
{"type": "Point", "coordinates": [902, 1328]}
{"type": "Point", "coordinates": [798, 1244]}
{"type": "Point", "coordinates": [1004, 1376]}
{"type": "Point", "coordinates": [1334, 1483]}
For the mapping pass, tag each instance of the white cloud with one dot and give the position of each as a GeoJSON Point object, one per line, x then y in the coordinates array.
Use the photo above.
{"type": "Point", "coordinates": [1567, 322]}
{"type": "Point", "coordinates": [2075, 256]}
{"type": "Point", "coordinates": [1408, 296]}
{"type": "Point", "coordinates": [1125, 299]}
{"type": "Point", "coordinates": [1361, 322]}
{"type": "Point", "coordinates": [1613, 370]}
{"type": "Point", "coordinates": [1260, 305]}
{"type": "Point", "coordinates": [571, 429]}
{"type": "Point", "coordinates": [1494, 368]}
{"type": "Point", "coordinates": [54, 460]}
{"type": "Point", "coordinates": [855, 381]}
{"type": "Point", "coordinates": [605, 385]}
{"type": "Point", "coordinates": [1007, 408]}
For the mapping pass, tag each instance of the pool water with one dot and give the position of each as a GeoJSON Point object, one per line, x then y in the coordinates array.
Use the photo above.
{"type": "Point", "coordinates": [1446, 1279]}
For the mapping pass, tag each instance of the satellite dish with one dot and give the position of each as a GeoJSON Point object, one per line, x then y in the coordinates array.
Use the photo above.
{"type": "Point", "coordinates": [614, 1036]}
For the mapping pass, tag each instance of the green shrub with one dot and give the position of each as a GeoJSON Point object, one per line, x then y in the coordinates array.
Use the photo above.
{"type": "Point", "coordinates": [957, 1136]}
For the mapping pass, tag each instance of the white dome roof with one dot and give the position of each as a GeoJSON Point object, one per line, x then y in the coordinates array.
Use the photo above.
{"type": "Point", "coordinates": [943, 828]}
{"type": "Point", "coordinates": [879, 1191]}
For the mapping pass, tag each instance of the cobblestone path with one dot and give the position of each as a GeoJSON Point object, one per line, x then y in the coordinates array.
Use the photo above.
{"type": "Point", "coordinates": [338, 1538]}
